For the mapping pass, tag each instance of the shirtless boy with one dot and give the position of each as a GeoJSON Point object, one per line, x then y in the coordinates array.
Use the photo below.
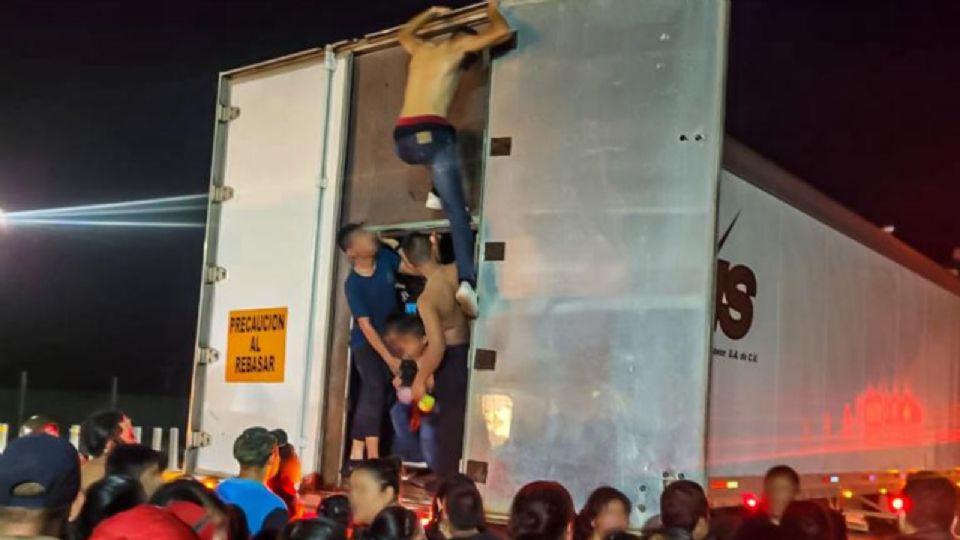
{"type": "Point", "coordinates": [445, 355]}
{"type": "Point", "coordinates": [424, 136]}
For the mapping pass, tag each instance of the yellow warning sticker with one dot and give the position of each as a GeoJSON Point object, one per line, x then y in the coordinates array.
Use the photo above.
{"type": "Point", "coordinates": [256, 345]}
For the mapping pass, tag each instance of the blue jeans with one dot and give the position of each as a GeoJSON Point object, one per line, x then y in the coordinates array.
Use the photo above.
{"type": "Point", "coordinates": [411, 446]}
{"type": "Point", "coordinates": [441, 431]}
{"type": "Point", "coordinates": [435, 146]}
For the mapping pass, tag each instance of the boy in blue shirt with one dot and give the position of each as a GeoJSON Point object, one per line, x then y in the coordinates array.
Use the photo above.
{"type": "Point", "coordinates": [372, 296]}
{"type": "Point", "coordinates": [257, 453]}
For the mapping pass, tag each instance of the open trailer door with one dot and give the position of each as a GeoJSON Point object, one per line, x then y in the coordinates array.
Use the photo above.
{"type": "Point", "coordinates": [269, 256]}
{"type": "Point", "coordinates": [591, 351]}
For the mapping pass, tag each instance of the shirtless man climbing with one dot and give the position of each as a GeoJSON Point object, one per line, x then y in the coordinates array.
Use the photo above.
{"type": "Point", "coordinates": [423, 134]}
{"type": "Point", "coordinates": [445, 357]}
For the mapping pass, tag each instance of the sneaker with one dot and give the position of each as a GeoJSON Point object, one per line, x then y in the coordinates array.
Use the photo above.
{"type": "Point", "coordinates": [467, 298]}
{"type": "Point", "coordinates": [433, 201]}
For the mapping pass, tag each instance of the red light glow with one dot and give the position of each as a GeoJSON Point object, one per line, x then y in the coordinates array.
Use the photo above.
{"type": "Point", "coordinates": [750, 501]}
{"type": "Point", "coordinates": [898, 504]}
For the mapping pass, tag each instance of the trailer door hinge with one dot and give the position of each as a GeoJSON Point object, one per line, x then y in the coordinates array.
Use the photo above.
{"type": "Point", "coordinates": [322, 181]}
{"type": "Point", "coordinates": [216, 273]}
{"type": "Point", "coordinates": [199, 439]}
{"type": "Point", "coordinates": [226, 113]}
{"type": "Point", "coordinates": [219, 194]}
{"type": "Point", "coordinates": [207, 355]}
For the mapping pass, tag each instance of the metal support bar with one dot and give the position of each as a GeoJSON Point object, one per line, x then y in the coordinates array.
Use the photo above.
{"type": "Point", "coordinates": [75, 436]}
{"type": "Point", "coordinates": [114, 391]}
{"type": "Point", "coordinates": [22, 404]}
{"type": "Point", "coordinates": [173, 449]}
{"type": "Point", "coordinates": [156, 441]}
{"type": "Point", "coordinates": [432, 225]}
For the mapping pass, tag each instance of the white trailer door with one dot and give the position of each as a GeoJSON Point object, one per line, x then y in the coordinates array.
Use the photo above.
{"type": "Point", "coordinates": [275, 241]}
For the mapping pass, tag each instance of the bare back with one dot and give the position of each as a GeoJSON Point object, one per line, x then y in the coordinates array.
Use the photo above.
{"type": "Point", "coordinates": [433, 77]}
{"type": "Point", "coordinates": [439, 294]}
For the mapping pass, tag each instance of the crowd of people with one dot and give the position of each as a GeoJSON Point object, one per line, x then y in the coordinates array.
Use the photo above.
{"type": "Point", "coordinates": [114, 489]}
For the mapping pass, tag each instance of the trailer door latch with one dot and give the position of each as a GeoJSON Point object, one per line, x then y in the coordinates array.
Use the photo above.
{"type": "Point", "coordinates": [226, 113]}
{"type": "Point", "coordinates": [215, 274]}
{"type": "Point", "coordinates": [207, 355]}
{"type": "Point", "coordinates": [199, 439]}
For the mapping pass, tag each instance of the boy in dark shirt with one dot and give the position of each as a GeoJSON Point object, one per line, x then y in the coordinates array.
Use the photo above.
{"type": "Point", "coordinates": [781, 486]}
{"type": "Point", "coordinates": [371, 294]}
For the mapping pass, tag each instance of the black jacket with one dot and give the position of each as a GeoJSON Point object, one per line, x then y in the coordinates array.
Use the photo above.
{"type": "Point", "coordinates": [758, 527]}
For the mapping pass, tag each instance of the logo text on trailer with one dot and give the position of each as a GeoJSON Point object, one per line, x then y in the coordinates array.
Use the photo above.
{"type": "Point", "coordinates": [736, 289]}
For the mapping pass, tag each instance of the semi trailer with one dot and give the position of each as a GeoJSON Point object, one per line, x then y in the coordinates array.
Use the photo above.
{"type": "Point", "coordinates": [657, 301]}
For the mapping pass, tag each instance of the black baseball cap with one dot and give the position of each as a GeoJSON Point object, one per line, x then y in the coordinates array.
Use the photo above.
{"type": "Point", "coordinates": [39, 471]}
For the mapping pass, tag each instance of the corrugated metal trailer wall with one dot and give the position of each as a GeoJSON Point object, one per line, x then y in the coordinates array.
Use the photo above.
{"type": "Point", "coordinates": [596, 281]}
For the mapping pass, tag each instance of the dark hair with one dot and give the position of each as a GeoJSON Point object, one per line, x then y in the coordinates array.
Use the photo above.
{"type": "Point", "coordinates": [284, 486]}
{"type": "Point", "coordinates": [282, 438]}
{"type": "Point", "coordinates": [385, 470]}
{"type": "Point", "coordinates": [345, 234]}
{"type": "Point", "coordinates": [104, 498]}
{"type": "Point", "coordinates": [393, 523]}
{"type": "Point", "coordinates": [188, 490]}
{"type": "Point", "coordinates": [192, 491]}
{"type": "Point", "coordinates": [806, 520]}
{"type": "Point", "coordinates": [541, 511]}
{"type": "Point", "coordinates": [446, 486]}
{"type": "Point", "coordinates": [416, 246]}
{"type": "Point", "coordinates": [134, 459]}
{"type": "Point", "coordinates": [254, 447]}
{"type": "Point", "coordinates": [237, 520]}
{"type": "Point", "coordinates": [97, 430]}
{"type": "Point", "coordinates": [596, 502]}
{"type": "Point", "coordinates": [782, 471]}
{"type": "Point", "coordinates": [931, 501]}
{"type": "Point", "coordinates": [408, 325]}
{"type": "Point", "coordinates": [464, 507]}
{"type": "Point", "coordinates": [320, 528]}
{"type": "Point", "coordinates": [682, 505]}
{"type": "Point", "coordinates": [337, 508]}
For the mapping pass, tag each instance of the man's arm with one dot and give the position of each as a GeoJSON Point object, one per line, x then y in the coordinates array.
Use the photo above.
{"type": "Point", "coordinates": [408, 34]}
{"type": "Point", "coordinates": [375, 341]}
{"type": "Point", "coordinates": [496, 33]}
{"type": "Point", "coordinates": [405, 267]}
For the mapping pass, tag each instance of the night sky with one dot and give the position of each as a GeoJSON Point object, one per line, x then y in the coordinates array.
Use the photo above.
{"type": "Point", "coordinates": [106, 101]}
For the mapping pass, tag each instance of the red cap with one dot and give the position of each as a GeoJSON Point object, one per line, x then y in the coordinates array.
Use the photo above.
{"type": "Point", "coordinates": [143, 522]}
